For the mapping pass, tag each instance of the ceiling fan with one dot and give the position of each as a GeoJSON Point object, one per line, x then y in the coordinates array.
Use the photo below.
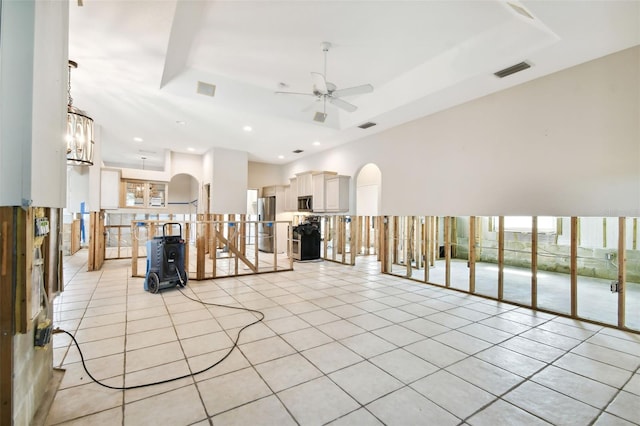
{"type": "Point", "coordinates": [325, 91]}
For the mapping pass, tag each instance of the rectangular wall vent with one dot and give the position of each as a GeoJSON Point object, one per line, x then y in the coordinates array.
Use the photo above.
{"type": "Point", "coordinates": [367, 125]}
{"type": "Point", "coordinates": [512, 69]}
{"type": "Point", "coordinates": [206, 89]}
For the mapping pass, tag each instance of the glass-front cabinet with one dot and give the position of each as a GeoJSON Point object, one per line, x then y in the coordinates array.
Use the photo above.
{"type": "Point", "coordinates": [144, 194]}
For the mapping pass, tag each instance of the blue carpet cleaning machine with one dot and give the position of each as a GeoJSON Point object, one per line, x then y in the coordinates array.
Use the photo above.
{"type": "Point", "coordinates": [165, 260]}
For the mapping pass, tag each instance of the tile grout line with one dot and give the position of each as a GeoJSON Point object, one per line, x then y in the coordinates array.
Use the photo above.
{"type": "Point", "coordinates": [618, 392]}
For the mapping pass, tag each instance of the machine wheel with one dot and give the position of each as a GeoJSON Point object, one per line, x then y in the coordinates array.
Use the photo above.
{"type": "Point", "coordinates": [185, 277]}
{"type": "Point", "coordinates": [153, 282]}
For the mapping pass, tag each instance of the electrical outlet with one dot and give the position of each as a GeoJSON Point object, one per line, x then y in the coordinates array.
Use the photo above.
{"type": "Point", "coordinates": [42, 334]}
{"type": "Point", "coordinates": [610, 256]}
{"type": "Point", "coordinates": [615, 287]}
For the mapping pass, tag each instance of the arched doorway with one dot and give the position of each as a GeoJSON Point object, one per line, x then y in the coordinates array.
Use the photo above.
{"type": "Point", "coordinates": [368, 197]}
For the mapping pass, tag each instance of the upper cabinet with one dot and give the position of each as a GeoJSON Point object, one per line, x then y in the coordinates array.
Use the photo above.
{"type": "Point", "coordinates": [319, 190]}
{"type": "Point", "coordinates": [328, 191]}
{"type": "Point", "coordinates": [143, 194]}
{"type": "Point", "coordinates": [305, 184]}
{"type": "Point", "coordinates": [337, 194]}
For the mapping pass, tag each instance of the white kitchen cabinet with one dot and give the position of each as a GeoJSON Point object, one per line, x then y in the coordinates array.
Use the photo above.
{"type": "Point", "coordinates": [289, 199]}
{"type": "Point", "coordinates": [337, 194]}
{"type": "Point", "coordinates": [319, 190]}
{"type": "Point", "coordinates": [291, 202]}
{"type": "Point", "coordinates": [305, 184]}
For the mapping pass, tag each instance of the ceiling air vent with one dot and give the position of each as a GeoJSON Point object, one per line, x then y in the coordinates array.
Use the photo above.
{"type": "Point", "coordinates": [297, 151]}
{"type": "Point", "coordinates": [367, 125]}
{"type": "Point", "coordinates": [206, 89]}
{"type": "Point", "coordinates": [520, 10]}
{"type": "Point", "coordinates": [512, 69]}
{"type": "Point", "coordinates": [320, 117]}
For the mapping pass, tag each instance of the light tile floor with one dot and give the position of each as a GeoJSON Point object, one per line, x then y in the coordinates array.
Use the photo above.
{"type": "Point", "coordinates": [339, 345]}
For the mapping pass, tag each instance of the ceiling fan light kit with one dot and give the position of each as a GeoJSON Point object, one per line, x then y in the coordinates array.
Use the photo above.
{"type": "Point", "coordinates": [327, 91]}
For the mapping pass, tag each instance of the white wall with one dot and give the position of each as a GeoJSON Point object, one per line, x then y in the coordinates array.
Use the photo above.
{"type": "Point", "coordinates": [565, 144]}
{"type": "Point", "coordinates": [229, 183]}
{"type": "Point", "coordinates": [187, 163]}
{"type": "Point", "coordinates": [16, 96]}
{"type": "Point", "coordinates": [263, 174]}
{"type": "Point", "coordinates": [78, 188]}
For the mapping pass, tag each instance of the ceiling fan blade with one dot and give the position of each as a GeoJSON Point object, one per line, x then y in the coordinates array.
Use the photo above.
{"type": "Point", "coordinates": [343, 104]}
{"type": "Point", "coordinates": [294, 93]}
{"type": "Point", "coordinates": [319, 83]}
{"type": "Point", "coordinates": [356, 90]}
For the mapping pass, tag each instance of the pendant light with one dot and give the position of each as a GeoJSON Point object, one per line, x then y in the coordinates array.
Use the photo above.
{"type": "Point", "coordinates": [79, 132]}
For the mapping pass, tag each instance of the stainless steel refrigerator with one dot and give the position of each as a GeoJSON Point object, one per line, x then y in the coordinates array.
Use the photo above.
{"type": "Point", "coordinates": [266, 213]}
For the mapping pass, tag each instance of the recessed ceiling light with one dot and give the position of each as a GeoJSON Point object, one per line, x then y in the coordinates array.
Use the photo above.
{"type": "Point", "coordinates": [281, 156]}
{"type": "Point", "coordinates": [316, 143]}
{"type": "Point", "coordinates": [191, 149]}
{"type": "Point", "coordinates": [181, 123]}
{"type": "Point", "coordinates": [247, 128]}
{"type": "Point", "coordinates": [138, 139]}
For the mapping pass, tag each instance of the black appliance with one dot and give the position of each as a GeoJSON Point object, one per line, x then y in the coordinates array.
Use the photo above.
{"type": "Point", "coordinates": [305, 204]}
{"type": "Point", "coordinates": [165, 261]}
{"type": "Point", "coordinates": [306, 241]}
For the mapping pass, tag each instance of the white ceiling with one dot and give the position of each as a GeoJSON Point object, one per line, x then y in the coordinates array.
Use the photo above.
{"type": "Point", "coordinates": [140, 62]}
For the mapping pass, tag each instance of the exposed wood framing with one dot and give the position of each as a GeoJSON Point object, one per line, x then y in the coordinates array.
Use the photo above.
{"type": "Point", "coordinates": [135, 243]}
{"type": "Point", "coordinates": [534, 262]}
{"type": "Point", "coordinates": [395, 233]}
{"type": "Point", "coordinates": [384, 244]}
{"type": "Point", "coordinates": [501, 258]}
{"type": "Point", "coordinates": [622, 267]}
{"type": "Point", "coordinates": [604, 232]}
{"type": "Point", "coordinates": [428, 247]}
{"type": "Point", "coordinates": [408, 245]}
{"type": "Point", "coordinates": [635, 234]}
{"type": "Point", "coordinates": [187, 243]}
{"type": "Point", "coordinates": [472, 253]}
{"type": "Point", "coordinates": [75, 236]}
{"type": "Point", "coordinates": [447, 249]}
{"type": "Point", "coordinates": [214, 250]}
{"type": "Point", "coordinates": [575, 223]}
{"type": "Point", "coordinates": [97, 244]}
{"type": "Point", "coordinates": [7, 284]}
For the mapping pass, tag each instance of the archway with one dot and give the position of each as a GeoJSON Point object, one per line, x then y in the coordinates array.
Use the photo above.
{"type": "Point", "coordinates": [183, 194]}
{"type": "Point", "coordinates": [368, 197]}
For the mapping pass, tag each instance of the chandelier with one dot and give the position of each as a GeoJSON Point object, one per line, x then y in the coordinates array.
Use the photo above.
{"type": "Point", "coordinates": [79, 132]}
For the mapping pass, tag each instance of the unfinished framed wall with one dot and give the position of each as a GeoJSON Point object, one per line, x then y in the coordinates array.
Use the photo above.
{"type": "Point", "coordinates": [586, 268]}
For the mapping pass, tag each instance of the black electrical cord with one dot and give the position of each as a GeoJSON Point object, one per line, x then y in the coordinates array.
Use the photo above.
{"type": "Point", "coordinates": [235, 344]}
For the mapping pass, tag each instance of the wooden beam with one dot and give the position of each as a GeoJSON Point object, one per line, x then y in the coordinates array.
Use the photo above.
{"type": "Point", "coordinates": [635, 233]}
{"type": "Point", "coordinates": [214, 248]}
{"type": "Point", "coordinates": [7, 269]}
{"type": "Point", "coordinates": [24, 263]}
{"type": "Point", "coordinates": [234, 250]}
{"type": "Point", "coordinates": [534, 262]}
{"type": "Point", "coordinates": [473, 229]}
{"type": "Point", "coordinates": [622, 270]}
{"type": "Point", "coordinates": [135, 235]}
{"type": "Point", "coordinates": [447, 250]}
{"type": "Point", "coordinates": [501, 258]}
{"type": "Point", "coordinates": [354, 236]}
{"type": "Point", "coordinates": [575, 224]}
